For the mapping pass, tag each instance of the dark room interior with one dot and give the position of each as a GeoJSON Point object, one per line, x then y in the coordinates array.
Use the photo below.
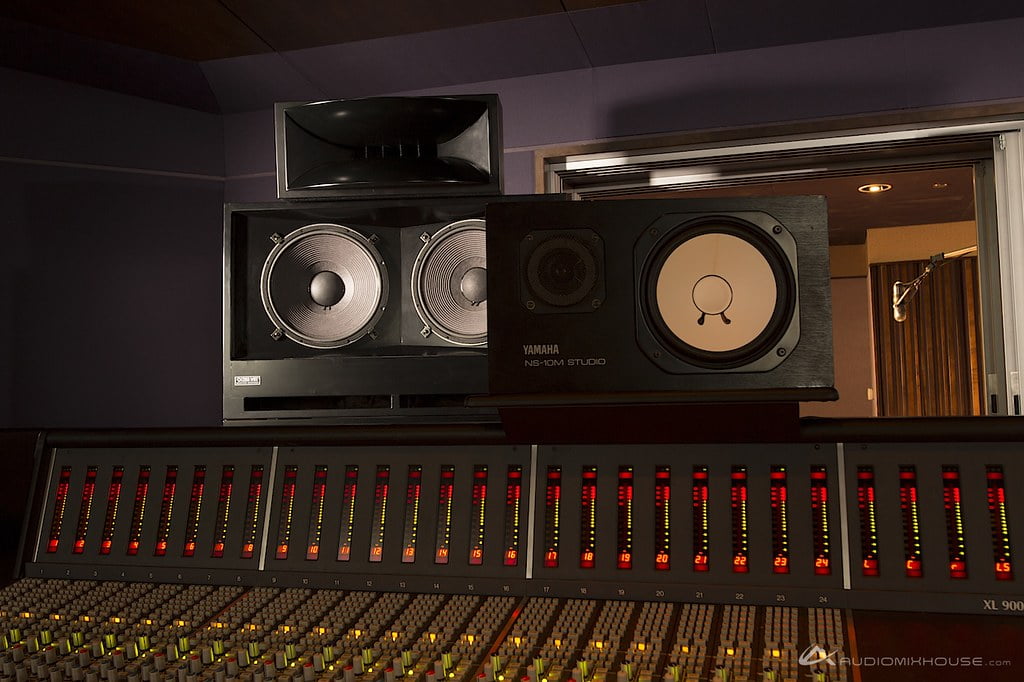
{"type": "Point", "coordinates": [140, 153]}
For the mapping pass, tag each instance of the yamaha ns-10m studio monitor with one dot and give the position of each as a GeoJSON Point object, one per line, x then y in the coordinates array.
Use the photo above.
{"type": "Point", "coordinates": [676, 300]}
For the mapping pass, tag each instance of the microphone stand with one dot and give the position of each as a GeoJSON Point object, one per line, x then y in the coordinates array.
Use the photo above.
{"type": "Point", "coordinates": [904, 292]}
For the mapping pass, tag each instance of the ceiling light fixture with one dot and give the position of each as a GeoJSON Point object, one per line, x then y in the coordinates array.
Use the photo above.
{"type": "Point", "coordinates": [875, 188]}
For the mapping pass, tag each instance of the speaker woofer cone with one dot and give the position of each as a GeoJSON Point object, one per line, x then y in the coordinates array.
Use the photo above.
{"type": "Point", "coordinates": [449, 283]}
{"type": "Point", "coordinates": [324, 285]}
{"type": "Point", "coordinates": [718, 293]}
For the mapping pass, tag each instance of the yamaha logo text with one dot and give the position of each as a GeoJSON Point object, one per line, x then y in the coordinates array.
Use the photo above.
{"type": "Point", "coordinates": [549, 355]}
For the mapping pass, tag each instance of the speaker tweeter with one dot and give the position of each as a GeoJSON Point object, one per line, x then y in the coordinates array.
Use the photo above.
{"type": "Point", "coordinates": [561, 271]}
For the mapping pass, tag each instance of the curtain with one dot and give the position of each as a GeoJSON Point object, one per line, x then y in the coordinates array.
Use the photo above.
{"type": "Point", "coordinates": [931, 364]}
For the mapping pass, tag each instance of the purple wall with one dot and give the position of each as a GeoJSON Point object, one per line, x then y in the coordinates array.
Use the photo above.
{"type": "Point", "coordinates": [110, 264]}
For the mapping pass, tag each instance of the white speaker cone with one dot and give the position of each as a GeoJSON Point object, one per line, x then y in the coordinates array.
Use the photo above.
{"type": "Point", "coordinates": [324, 285]}
{"type": "Point", "coordinates": [716, 292]}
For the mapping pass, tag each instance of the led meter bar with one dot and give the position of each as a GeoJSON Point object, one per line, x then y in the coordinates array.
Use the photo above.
{"type": "Point", "coordinates": [751, 516]}
{"type": "Point", "coordinates": [142, 507]}
{"type": "Point", "coordinates": [402, 511]}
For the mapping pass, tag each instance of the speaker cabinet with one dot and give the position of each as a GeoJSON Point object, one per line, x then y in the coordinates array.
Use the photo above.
{"type": "Point", "coordinates": [659, 300]}
{"type": "Point", "coordinates": [360, 311]}
{"type": "Point", "coordinates": [380, 146]}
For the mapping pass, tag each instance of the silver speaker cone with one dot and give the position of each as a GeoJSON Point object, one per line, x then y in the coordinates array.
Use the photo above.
{"type": "Point", "coordinates": [324, 285]}
{"type": "Point", "coordinates": [449, 283]}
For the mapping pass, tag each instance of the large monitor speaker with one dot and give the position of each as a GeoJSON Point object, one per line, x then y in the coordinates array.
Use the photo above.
{"type": "Point", "coordinates": [389, 146]}
{"type": "Point", "coordinates": [659, 300]}
{"type": "Point", "coordinates": [356, 311]}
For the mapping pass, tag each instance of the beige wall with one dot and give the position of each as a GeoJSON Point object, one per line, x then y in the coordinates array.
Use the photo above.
{"type": "Point", "coordinates": [918, 242]}
{"type": "Point", "coordinates": [851, 339]}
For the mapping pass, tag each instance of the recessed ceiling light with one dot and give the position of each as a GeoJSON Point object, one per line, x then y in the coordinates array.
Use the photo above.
{"type": "Point", "coordinates": [875, 188]}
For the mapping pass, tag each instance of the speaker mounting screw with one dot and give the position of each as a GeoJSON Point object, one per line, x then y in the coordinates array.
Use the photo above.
{"type": "Point", "coordinates": [530, 305]}
{"type": "Point", "coordinates": [529, 237]}
{"type": "Point", "coordinates": [276, 334]}
{"type": "Point", "coordinates": [373, 238]}
{"type": "Point", "coordinates": [372, 334]}
{"type": "Point", "coordinates": [424, 237]}
{"type": "Point", "coordinates": [781, 352]}
{"type": "Point", "coordinates": [654, 232]}
{"type": "Point", "coordinates": [277, 237]}
{"type": "Point", "coordinates": [777, 229]}
{"type": "Point", "coordinates": [596, 303]}
{"type": "Point", "coordinates": [425, 332]}
{"type": "Point", "coordinates": [656, 353]}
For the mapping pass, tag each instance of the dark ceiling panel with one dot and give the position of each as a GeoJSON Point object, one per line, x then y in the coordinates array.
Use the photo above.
{"type": "Point", "coordinates": [748, 24]}
{"type": "Point", "coordinates": [574, 5]}
{"type": "Point", "coordinates": [99, 64]}
{"type": "Point", "coordinates": [312, 23]}
{"type": "Point", "coordinates": [256, 82]}
{"type": "Point", "coordinates": [657, 29]}
{"type": "Point", "coordinates": [189, 29]}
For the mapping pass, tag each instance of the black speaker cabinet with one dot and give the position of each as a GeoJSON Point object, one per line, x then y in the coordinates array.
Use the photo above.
{"type": "Point", "coordinates": [381, 146]}
{"type": "Point", "coordinates": [659, 300]}
{"type": "Point", "coordinates": [360, 311]}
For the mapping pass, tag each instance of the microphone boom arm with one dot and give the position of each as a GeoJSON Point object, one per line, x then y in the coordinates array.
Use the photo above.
{"type": "Point", "coordinates": [903, 293]}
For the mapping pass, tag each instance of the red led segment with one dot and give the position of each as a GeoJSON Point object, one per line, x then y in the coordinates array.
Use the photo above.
{"type": "Point", "coordinates": [252, 511]}
{"type": "Point", "coordinates": [911, 522]}
{"type": "Point", "coordinates": [380, 512]}
{"type": "Point", "coordinates": [220, 530]}
{"type": "Point", "coordinates": [999, 518]}
{"type": "Point", "coordinates": [413, 490]}
{"type": "Point", "coordinates": [513, 514]}
{"type": "Point", "coordinates": [110, 519]}
{"type": "Point", "coordinates": [662, 514]}
{"type": "Point", "coordinates": [85, 510]}
{"type": "Point", "coordinates": [60, 503]}
{"type": "Point", "coordinates": [738, 503]}
{"type": "Point", "coordinates": [778, 494]}
{"type": "Point", "coordinates": [284, 524]}
{"type": "Point", "coordinates": [138, 511]}
{"type": "Point", "coordinates": [445, 499]}
{"type": "Point", "coordinates": [870, 563]}
{"type": "Point", "coordinates": [552, 515]}
{"type": "Point", "coordinates": [956, 541]}
{"type": "Point", "coordinates": [819, 521]}
{"type": "Point", "coordinates": [348, 512]}
{"type": "Point", "coordinates": [163, 528]}
{"type": "Point", "coordinates": [588, 517]}
{"type": "Point", "coordinates": [624, 502]}
{"type": "Point", "coordinates": [195, 505]}
{"type": "Point", "coordinates": [701, 517]}
{"type": "Point", "coordinates": [316, 513]}
{"type": "Point", "coordinates": [479, 515]}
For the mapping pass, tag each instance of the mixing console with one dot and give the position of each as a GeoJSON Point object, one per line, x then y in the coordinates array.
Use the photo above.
{"type": "Point", "coordinates": [88, 631]}
{"type": "Point", "coordinates": [503, 563]}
